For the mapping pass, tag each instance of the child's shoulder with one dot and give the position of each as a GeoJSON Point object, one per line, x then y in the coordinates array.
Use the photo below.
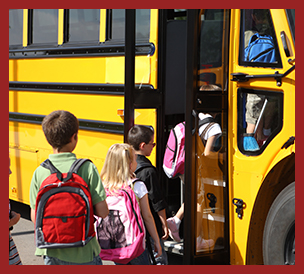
{"type": "Point", "coordinates": [143, 163]}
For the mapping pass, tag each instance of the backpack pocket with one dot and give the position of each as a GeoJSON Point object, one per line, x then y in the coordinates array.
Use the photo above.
{"type": "Point", "coordinates": [111, 231]}
{"type": "Point", "coordinates": [68, 225]}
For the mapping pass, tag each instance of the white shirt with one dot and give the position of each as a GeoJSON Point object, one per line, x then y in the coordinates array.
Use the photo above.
{"type": "Point", "coordinates": [140, 189]}
{"type": "Point", "coordinates": [215, 129]}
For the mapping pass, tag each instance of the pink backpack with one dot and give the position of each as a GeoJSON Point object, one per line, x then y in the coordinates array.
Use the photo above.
{"type": "Point", "coordinates": [121, 235]}
{"type": "Point", "coordinates": [174, 156]}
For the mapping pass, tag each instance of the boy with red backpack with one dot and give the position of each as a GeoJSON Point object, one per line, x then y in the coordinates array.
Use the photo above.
{"type": "Point", "coordinates": [68, 198]}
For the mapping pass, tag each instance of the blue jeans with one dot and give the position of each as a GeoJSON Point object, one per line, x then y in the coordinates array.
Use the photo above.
{"type": "Point", "coordinates": [143, 259]}
{"type": "Point", "coordinates": [55, 261]}
{"type": "Point", "coordinates": [163, 259]}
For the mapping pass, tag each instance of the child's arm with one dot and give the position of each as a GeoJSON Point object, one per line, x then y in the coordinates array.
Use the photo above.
{"type": "Point", "coordinates": [163, 219]}
{"type": "Point", "coordinates": [33, 215]}
{"type": "Point", "coordinates": [149, 222]}
{"type": "Point", "coordinates": [209, 145]}
{"type": "Point", "coordinates": [101, 209]}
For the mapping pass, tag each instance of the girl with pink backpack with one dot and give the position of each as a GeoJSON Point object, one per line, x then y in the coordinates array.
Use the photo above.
{"type": "Point", "coordinates": [121, 234]}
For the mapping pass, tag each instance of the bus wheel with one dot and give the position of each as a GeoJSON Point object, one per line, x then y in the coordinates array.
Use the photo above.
{"type": "Point", "coordinates": [279, 230]}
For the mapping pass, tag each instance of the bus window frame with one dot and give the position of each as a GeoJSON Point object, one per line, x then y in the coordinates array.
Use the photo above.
{"type": "Point", "coordinates": [66, 29]}
{"type": "Point", "coordinates": [109, 27]}
{"type": "Point", "coordinates": [242, 46]}
{"type": "Point", "coordinates": [30, 23]}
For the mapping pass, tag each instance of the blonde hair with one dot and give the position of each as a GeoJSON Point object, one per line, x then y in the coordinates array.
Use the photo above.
{"type": "Point", "coordinates": [116, 172]}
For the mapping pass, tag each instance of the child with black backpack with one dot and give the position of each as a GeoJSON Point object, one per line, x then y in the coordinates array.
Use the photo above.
{"type": "Point", "coordinates": [142, 139]}
{"type": "Point", "coordinates": [60, 236]}
{"type": "Point", "coordinates": [118, 178]}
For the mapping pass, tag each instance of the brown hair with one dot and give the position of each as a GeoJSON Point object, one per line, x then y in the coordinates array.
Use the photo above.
{"type": "Point", "coordinates": [58, 127]}
{"type": "Point", "coordinates": [139, 134]}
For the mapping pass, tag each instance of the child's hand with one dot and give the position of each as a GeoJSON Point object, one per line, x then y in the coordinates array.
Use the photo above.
{"type": "Point", "coordinates": [15, 218]}
{"type": "Point", "coordinates": [158, 249]}
{"type": "Point", "coordinates": [166, 232]}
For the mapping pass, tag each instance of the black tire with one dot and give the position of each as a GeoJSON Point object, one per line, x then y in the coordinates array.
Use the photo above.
{"type": "Point", "coordinates": [279, 229]}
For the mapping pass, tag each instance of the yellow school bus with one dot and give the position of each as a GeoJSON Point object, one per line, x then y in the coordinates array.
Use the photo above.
{"type": "Point", "coordinates": [115, 68]}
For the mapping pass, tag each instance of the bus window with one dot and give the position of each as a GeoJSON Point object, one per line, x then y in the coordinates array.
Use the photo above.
{"type": "Point", "coordinates": [45, 26]}
{"type": "Point", "coordinates": [15, 27]}
{"type": "Point", "coordinates": [117, 18]}
{"type": "Point", "coordinates": [258, 44]}
{"type": "Point", "coordinates": [211, 47]}
{"type": "Point", "coordinates": [83, 25]}
{"type": "Point", "coordinates": [259, 119]}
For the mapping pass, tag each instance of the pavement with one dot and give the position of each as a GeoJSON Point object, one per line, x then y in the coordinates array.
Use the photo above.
{"type": "Point", "coordinates": [23, 235]}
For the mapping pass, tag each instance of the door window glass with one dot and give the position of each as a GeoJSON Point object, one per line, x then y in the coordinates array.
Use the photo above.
{"type": "Point", "coordinates": [211, 167]}
{"type": "Point", "coordinates": [259, 119]}
{"type": "Point", "coordinates": [258, 44]}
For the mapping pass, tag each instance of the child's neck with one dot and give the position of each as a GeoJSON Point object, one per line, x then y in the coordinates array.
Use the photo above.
{"type": "Point", "coordinates": [66, 148]}
{"type": "Point", "coordinates": [139, 152]}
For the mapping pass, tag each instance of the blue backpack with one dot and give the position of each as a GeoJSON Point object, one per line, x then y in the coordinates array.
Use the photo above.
{"type": "Point", "coordinates": [260, 49]}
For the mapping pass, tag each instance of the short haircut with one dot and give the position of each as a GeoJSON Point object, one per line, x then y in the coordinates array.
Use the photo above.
{"type": "Point", "coordinates": [139, 134]}
{"type": "Point", "coordinates": [58, 127]}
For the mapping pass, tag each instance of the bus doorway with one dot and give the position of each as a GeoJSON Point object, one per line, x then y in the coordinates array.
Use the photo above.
{"type": "Point", "coordinates": [195, 47]}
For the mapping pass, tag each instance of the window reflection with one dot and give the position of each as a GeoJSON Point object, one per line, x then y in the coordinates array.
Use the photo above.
{"type": "Point", "coordinates": [15, 27]}
{"type": "Point", "coordinates": [45, 26]}
{"type": "Point", "coordinates": [260, 119]}
{"type": "Point", "coordinates": [258, 41]}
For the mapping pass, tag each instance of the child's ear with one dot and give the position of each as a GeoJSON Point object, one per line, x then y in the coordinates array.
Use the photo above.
{"type": "Point", "coordinates": [74, 137]}
{"type": "Point", "coordinates": [141, 145]}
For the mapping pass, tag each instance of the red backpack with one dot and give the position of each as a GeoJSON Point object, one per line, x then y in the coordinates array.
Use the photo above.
{"type": "Point", "coordinates": [64, 209]}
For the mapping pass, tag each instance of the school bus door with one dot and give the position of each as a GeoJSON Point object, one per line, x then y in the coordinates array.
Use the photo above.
{"type": "Point", "coordinates": [206, 240]}
{"type": "Point", "coordinates": [268, 85]}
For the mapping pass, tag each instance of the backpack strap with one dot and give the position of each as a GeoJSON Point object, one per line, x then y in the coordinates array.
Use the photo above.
{"type": "Point", "coordinates": [206, 121]}
{"type": "Point", "coordinates": [205, 131]}
{"type": "Point", "coordinates": [148, 242]}
{"type": "Point", "coordinates": [132, 187]}
{"type": "Point", "coordinates": [141, 166]}
{"type": "Point", "coordinates": [74, 168]}
{"type": "Point", "coordinates": [134, 212]}
{"type": "Point", "coordinates": [49, 165]}
{"type": "Point", "coordinates": [77, 164]}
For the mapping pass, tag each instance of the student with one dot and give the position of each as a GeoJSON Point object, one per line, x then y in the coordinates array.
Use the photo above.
{"type": "Point", "coordinates": [142, 139]}
{"type": "Point", "coordinates": [14, 258]}
{"type": "Point", "coordinates": [117, 173]}
{"type": "Point", "coordinates": [208, 133]}
{"type": "Point", "coordinates": [61, 131]}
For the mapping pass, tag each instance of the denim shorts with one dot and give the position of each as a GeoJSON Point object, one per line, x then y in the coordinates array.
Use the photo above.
{"type": "Point", "coordinates": [55, 261]}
